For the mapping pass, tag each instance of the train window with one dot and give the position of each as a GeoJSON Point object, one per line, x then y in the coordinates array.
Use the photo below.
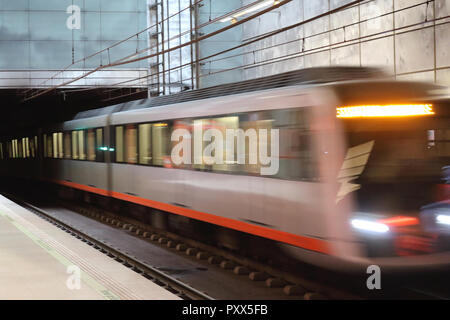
{"type": "Point", "coordinates": [100, 154]}
{"type": "Point", "coordinates": [160, 144]}
{"type": "Point", "coordinates": [223, 124]}
{"type": "Point", "coordinates": [36, 146]}
{"type": "Point", "coordinates": [297, 161]}
{"type": "Point", "coordinates": [186, 125]}
{"type": "Point", "coordinates": [67, 146]}
{"type": "Point", "coordinates": [23, 144]}
{"type": "Point", "coordinates": [26, 147]}
{"type": "Point", "coordinates": [295, 155]}
{"type": "Point", "coordinates": [61, 145]}
{"type": "Point", "coordinates": [49, 146]}
{"type": "Point", "coordinates": [119, 144]}
{"type": "Point", "coordinates": [197, 162]}
{"type": "Point", "coordinates": [230, 164]}
{"type": "Point", "coordinates": [13, 149]}
{"type": "Point", "coordinates": [252, 124]}
{"type": "Point", "coordinates": [200, 161]}
{"type": "Point", "coordinates": [55, 145]}
{"type": "Point", "coordinates": [91, 155]}
{"type": "Point", "coordinates": [32, 148]}
{"type": "Point", "coordinates": [131, 144]}
{"type": "Point", "coordinates": [145, 148]}
{"type": "Point", "coordinates": [60, 154]}
{"type": "Point", "coordinates": [10, 150]}
{"type": "Point", "coordinates": [81, 145]}
{"type": "Point", "coordinates": [150, 144]}
{"type": "Point", "coordinates": [75, 145]}
{"type": "Point", "coordinates": [19, 148]}
{"type": "Point", "coordinates": [45, 145]}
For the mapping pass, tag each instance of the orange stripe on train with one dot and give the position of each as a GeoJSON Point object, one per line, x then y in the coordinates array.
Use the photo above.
{"type": "Point", "coordinates": [308, 243]}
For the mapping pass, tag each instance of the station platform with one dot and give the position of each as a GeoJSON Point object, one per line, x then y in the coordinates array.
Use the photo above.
{"type": "Point", "coordinates": [39, 261]}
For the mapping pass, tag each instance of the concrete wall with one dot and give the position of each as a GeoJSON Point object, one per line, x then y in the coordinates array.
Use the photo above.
{"type": "Point", "coordinates": [408, 38]}
{"type": "Point", "coordinates": [169, 27]}
{"type": "Point", "coordinates": [213, 73]}
{"type": "Point", "coordinates": [35, 39]}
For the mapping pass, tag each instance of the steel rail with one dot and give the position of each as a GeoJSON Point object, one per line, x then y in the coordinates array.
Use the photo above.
{"type": "Point", "coordinates": [170, 283]}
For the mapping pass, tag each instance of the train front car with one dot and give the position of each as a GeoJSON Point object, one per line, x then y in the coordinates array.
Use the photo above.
{"type": "Point", "coordinates": [392, 178]}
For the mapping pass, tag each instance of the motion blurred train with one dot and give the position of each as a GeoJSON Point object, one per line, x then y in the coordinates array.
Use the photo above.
{"type": "Point", "coordinates": [364, 165]}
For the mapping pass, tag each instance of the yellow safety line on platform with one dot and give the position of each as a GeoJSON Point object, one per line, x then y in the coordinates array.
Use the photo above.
{"type": "Point", "coordinates": [86, 278]}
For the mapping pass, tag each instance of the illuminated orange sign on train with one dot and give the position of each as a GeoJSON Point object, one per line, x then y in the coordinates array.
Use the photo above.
{"type": "Point", "coordinates": [393, 110]}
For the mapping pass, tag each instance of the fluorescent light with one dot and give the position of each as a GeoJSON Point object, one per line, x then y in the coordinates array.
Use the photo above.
{"type": "Point", "coordinates": [443, 219]}
{"type": "Point", "coordinates": [393, 110]}
{"type": "Point", "coordinates": [367, 225]}
{"type": "Point", "coordinates": [256, 7]}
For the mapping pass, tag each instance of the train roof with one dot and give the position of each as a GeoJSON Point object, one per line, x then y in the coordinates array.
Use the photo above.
{"type": "Point", "coordinates": [319, 75]}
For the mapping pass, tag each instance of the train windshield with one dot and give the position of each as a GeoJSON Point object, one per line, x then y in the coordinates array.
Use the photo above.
{"type": "Point", "coordinates": [397, 164]}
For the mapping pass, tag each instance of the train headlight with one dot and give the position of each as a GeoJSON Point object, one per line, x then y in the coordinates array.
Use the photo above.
{"type": "Point", "coordinates": [443, 219]}
{"type": "Point", "coordinates": [369, 226]}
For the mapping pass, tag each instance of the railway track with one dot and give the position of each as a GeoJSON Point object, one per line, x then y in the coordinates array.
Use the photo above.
{"type": "Point", "coordinates": [286, 286]}
{"type": "Point", "coordinates": [297, 287]}
{"type": "Point", "coordinates": [171, 284]}
{"type": "Point", "coordinates": [290, 286]}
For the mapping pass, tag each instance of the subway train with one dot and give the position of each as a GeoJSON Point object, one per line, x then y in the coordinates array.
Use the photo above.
{"type": "Point", "coordinates": [361, 177]}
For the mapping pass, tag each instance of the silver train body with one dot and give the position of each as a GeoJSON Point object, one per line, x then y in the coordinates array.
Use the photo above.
{"type": "Point", "coordinates": [306, 217]}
